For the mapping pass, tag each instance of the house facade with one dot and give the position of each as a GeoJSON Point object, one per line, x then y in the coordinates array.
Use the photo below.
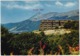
{"type": "Point", "coordinates": [52, 24]}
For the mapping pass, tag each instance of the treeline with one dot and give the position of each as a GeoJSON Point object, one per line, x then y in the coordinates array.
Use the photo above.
{"type": "Point", "coordinates": [72, 25]}
{"type": "Point", "coordinates": [30, 43]}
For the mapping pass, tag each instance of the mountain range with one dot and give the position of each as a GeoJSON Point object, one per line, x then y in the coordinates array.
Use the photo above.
{"type": "Point", "coordinates": [33, 23]}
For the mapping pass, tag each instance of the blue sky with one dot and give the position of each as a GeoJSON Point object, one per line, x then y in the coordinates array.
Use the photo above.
{"type": "Point", "coordinates": [16, 11]}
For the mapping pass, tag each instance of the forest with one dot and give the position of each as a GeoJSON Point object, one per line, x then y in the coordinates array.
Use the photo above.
{"type": "Point", "coordinates": [29, 43]}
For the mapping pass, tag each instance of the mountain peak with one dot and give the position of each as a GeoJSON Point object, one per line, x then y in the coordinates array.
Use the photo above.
{"type": "Point", "coordinates": [39, 16]}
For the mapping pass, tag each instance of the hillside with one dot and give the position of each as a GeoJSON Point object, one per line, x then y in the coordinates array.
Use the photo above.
{"type": "Point", "coordinates": [33, 23]}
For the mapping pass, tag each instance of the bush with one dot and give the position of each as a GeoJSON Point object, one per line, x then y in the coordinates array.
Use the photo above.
{"type": "Point", "coordinates": [5, 37]}
{"type": "Point", "coordinates": [32, 43]}
{"type": "Point", "coordinates": [72, 25]}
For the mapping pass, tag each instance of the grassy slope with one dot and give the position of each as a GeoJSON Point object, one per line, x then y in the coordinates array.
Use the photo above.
{"type": "Point", "coordinates": [55, 31]}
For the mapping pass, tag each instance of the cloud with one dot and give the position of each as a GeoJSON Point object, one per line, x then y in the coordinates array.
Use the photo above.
{"type": "Point", "coordinates": [70, 4]}
{"type": "Point", "coordinates": [58, 3]}
{"type": "Point", "coordinates": [27, 7]}
{"type": "Point", "coordinates": [48, 5]}
{"type": "Point", "coordinates": [14, 5]}
{"type": "Point", "coordinates": [30, 4]}
{"type": "Point", "coordinates": [28, 0]}
{"type": "Point", "coordinates": [31, 0]}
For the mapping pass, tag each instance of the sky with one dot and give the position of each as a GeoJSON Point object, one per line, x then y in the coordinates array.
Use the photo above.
{"type": "Point", "coordinates": [16, 10]}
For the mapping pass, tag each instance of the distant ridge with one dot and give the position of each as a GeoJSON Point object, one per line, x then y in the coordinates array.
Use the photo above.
{"type": "Point", "coordinates": [34, 22]}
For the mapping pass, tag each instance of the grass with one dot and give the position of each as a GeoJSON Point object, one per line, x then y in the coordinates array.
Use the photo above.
{"type": "Point", "coordinates": [55, 31]}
